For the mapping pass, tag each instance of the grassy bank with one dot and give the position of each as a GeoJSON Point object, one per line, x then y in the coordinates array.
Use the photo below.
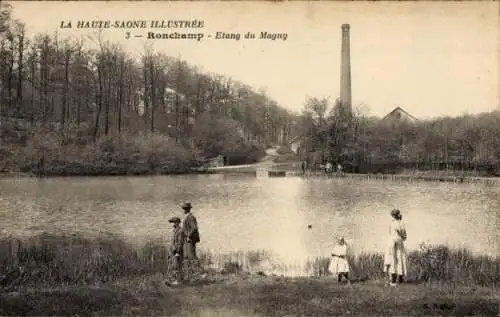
{"type": "Point", "coordinates": [107, 276]}
{"type": "Point", "coordinates": [289, 161]}
{"type": "Point", "coordinates": [250, 296]}
{"type": "Point", "coordinates": [49, 154]}
{"type": "Point", "coordinates": [283, 163]}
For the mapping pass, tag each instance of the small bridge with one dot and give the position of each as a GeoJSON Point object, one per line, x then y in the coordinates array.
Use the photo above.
{"type": "Point", "coordinates": [233, 168]}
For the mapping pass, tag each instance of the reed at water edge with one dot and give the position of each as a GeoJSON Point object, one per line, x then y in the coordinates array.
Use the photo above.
{"type": "Point", "coordinates": [48, 260]}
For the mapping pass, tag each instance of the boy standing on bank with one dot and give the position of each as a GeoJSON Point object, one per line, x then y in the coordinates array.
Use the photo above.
{"type": "Point", "coordinates": [176, 249]}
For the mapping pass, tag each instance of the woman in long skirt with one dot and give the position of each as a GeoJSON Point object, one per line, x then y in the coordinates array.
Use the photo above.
{"type": "Point", "coordinates": [395, 257]}
{"type": "Point", "coordinates": [339, 265]}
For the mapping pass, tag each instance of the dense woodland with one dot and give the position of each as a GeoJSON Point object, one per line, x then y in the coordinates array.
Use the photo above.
{"type": "Point", "coordinates": [67, 108]}
{"type": "Point", "coordinates": [88, 107]}
{"type": "Point", "coordinates": [368, 144]}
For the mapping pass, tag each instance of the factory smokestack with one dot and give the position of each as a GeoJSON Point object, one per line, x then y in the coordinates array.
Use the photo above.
{"type": "Point", "coordinates": [345, 75]}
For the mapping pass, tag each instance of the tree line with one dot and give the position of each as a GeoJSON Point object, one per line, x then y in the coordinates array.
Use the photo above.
{"type": "Point", "coordinates": [370, 144]}
{"type": "Point", "coordinates": [68, 107]}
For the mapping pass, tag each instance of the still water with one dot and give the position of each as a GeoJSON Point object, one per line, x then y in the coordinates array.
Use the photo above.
{"type": "Point", "coordinates": [292, 217]}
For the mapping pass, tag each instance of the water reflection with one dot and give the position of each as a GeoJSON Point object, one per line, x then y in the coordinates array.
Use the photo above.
{"type": "Point", "coordinates": [248, 213]}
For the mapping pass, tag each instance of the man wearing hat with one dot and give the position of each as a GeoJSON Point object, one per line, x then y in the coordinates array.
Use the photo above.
{"type": "Point", "coordinates": [176, 249]}
{"type": "Point", "coordinates": [191, 233]}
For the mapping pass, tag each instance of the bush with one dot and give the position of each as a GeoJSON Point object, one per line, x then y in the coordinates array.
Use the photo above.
{"type": "Point", "coordinates": [113, 155]}
{"type": "Point", "coordinates": [53, 260]}
{"type": "Point", "coordinates": [284, 150]}
{"type": "Point", "coordinates": [244, 154]}
{"type": "Point", "coordinates": [429, 263]}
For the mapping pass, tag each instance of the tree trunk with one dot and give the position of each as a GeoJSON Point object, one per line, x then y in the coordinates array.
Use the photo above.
{"type": "Point", "coordinates": [20, 72]}
{"type": "Point", "coordinates": [10, 75]}
{"type": "Point", "coordinates": [64, 105]}
{"type": "Point", "coordinates": [153, 90]}
{"type": "Point", "coordinates": [32, 80]}
{"type": "Point", "coordinates": [98, 101]}
{"type": "Point", "coordinates": [145, 97]}
{"type": "Point", "coordinates": [108, 102]}
{"type": "Point", "coordinates": [120, 98]}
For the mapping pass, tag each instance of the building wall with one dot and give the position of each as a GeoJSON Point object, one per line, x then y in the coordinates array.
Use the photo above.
{"type": "Point", "coordinates": [295, 146]}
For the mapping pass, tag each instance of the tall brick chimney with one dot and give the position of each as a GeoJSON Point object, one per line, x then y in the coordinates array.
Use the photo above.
{"type": "Point", "coordinates": [345, 75]}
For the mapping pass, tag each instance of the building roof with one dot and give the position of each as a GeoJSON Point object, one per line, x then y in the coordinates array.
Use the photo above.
{"type": "Point", "coordinates": [399, 110]}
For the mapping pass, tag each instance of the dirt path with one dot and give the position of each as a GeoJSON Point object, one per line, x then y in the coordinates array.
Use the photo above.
{"type": "Point", "coordinates": [268, 160]}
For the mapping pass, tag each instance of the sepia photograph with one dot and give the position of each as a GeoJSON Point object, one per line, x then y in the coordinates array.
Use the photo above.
{"type": "Point", "coordinates": [249, 158]}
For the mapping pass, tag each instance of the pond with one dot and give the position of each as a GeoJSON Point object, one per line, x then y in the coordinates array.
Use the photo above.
{"type": "Point", "coordinates": [292, 217]}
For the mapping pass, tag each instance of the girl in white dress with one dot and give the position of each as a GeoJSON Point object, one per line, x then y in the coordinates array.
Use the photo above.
{"type": "Point", "coordinates": [339, 265]}
{"type": "Point", "coordinates": [395, 256]}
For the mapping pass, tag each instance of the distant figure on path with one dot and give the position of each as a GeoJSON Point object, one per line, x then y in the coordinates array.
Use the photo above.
{"type": "Point", "coordinates": [328, 167]}
{"type": "Point", "coordinates": [176, 249]}
{"type": "Point", "coordinates": [339, 265]}
{"type": "Point", "coordinates": [395, 258]}
{"type": "Point", "coordinates": [191, 233]}
{"type": "Point", "coordinates": [304, 166]}
{"type": "Point", "coordinates": [41, 167]}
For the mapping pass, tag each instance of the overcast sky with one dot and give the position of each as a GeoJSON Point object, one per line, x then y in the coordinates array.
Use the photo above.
{"type": "Point", "coordinates": [433, 59]}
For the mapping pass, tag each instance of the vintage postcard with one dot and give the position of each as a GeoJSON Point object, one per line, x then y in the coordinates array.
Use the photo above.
{"type": "Point", "coordinates": [249, 159]}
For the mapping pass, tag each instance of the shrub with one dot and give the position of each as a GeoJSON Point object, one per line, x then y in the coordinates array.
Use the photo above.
{"type": "Point", "coordinates": [284, 150]}
{"type": "Point", "coordinates": [112, 155]}
{"type": "Point", "coordinates": [54, 260]}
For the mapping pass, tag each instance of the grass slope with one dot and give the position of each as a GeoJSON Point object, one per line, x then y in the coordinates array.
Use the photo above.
{"type": "Point", "coordinates": [76, 276]}
{"type": "Point", "coordinates": [240, 295]}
